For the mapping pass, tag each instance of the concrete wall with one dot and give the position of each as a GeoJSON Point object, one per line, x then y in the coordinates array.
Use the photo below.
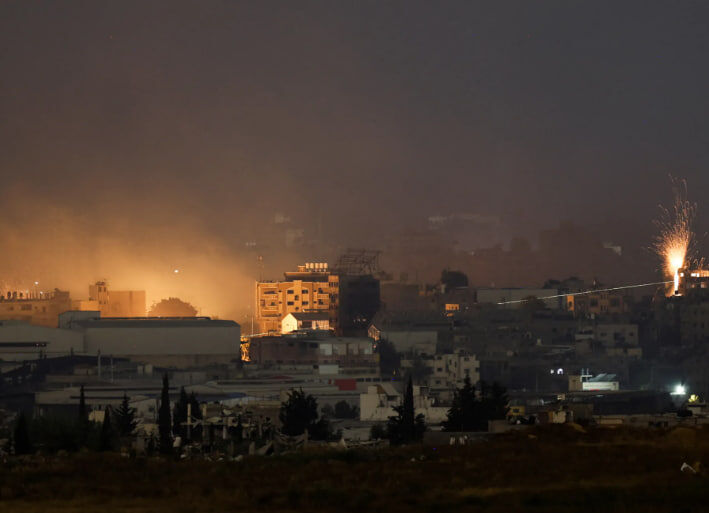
{"type": "Point", "coordinates": [421, 342]}
{"type": "Point", "coordinates": [502, 295]}
{"type": "Point", "coordinates": [163, 340]}
{"type": "Point", "coordinates": [22, 341]}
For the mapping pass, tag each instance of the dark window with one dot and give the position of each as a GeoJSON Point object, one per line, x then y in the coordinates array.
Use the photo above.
{"type": "Point", "coordinates": [290, 292]}
{"type": "Point", "coordinates": [290, 303]}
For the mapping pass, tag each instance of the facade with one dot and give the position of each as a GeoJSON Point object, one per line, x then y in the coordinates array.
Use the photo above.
{"type": "Point", "coordinates": [598, 303]}
{"type": "Point", "coordinates": [116, 303]}
{"type": "Point", "coordinates": [447, 372]}
{"type": "Point", "coordinates": [694, 321]}
{"type": "Point", "coordinates": [379, 401]}
{"type": "Point", "coordinates": [37, 308]}
{"type": "Point", "coordinates": [305, 321]}
{"type": "Point", "coordinates": [312, 288]}
{"type": "Point", "coordinates": [408, 340]}
{"type": "Point", "coordinates": [692, 279]}
{"type": "Point", "coordinates": [333, 353]}
{"type": "Point", "coordinates": [20, 341]}
{"type": "Point", "coordinates": [513, 297]}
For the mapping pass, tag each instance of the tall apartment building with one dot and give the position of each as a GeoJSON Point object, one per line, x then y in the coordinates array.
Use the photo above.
{"type": "Point", "coordinates": [312, 288]}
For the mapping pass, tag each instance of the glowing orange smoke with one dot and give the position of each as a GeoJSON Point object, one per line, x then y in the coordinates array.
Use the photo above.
{"type": "Point", "coordinates": [673, 242]}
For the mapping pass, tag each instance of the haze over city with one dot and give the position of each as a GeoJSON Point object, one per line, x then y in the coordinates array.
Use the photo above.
{"type": "Point", "coordinates": [310, 246]}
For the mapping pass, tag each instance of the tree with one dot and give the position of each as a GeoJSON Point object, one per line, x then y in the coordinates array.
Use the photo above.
{"type": "Point", "coordinates": [179, 416]}
{"type": "Point", "coordinates": [453, 279]}
{"type": "Point", "coordinates": [406, 427]}
{"type": "Point", "coordinates": [106, 438]}
{"type": "Point", "coordinates": [419, 370]}
{"type": "Point", "coordinates": [464, 414]}
{"type": "Point", "coordinates": [300, 412]}
{"type": "Point", "coordinates": [196, 431]}
{"type": "Point", "coordinates": [21, 436]}
{"type": "Point", "coordinates": [83, 416]}
{"type": "Point", "coordinates": [343, 410]}
{"type": "Point", "coordinates": [172, 307]}
{"type": "Point", "coordinates": [125, 418]}
{"type": "Point", "coordinates": [164, 420]}
{"type": "Point", "coordinates": [472, 413]}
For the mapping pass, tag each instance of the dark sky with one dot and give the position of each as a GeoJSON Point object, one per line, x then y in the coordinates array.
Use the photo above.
{"type": "Point", "coordinates": [134, 116]}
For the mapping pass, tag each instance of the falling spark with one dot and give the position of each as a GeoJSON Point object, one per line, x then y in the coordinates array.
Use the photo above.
{"type": "Point", "coordinates": [673, 242]}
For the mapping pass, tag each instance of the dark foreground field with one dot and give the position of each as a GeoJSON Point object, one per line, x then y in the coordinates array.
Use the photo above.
{"type": "Point", "coordinates": [557, 469]}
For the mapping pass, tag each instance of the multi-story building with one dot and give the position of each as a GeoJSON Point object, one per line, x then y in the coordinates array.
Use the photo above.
{"type": "Point", "coordinates": [37, 308]}
{"type": "Point", "coordinates": [597, 303]}
{"type": "Point", "coordinates": [312, 288]}
{"type": "Point", "coordinates": [446, 372]}
{"type": "Point", "coordinates": [115, 303]}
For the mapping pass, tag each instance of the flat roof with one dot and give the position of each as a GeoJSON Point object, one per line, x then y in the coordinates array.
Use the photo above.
{"type": "Point", "coordinates": [155, 322]}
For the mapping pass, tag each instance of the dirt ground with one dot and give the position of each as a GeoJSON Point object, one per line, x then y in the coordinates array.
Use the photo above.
{"type": "Point", "coordinates": [553, 469]}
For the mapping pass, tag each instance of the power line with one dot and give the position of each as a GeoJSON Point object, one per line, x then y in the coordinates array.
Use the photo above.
{"type": "Point", "coordinates": [592, 291]}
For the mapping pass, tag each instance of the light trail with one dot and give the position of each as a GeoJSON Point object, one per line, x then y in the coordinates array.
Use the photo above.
{"type": "Point", "coordinates": [592, 291]}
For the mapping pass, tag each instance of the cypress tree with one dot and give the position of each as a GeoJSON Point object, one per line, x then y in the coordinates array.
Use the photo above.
{"type": "Point", "coordinates": [164, 420]}
{"type": "Point", "coordinates": [21, 435]}
{"type": "Point", "coordinates": [125, 418]}
{"type": "Point", "coordinates": [179, 416]}
{"type": "Point", "coordinates": [106, 439]}
{"type": "Point", "coordinates": [83, 416]}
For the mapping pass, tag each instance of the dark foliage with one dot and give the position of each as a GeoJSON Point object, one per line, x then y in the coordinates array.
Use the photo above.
{"type": "Point", "coordinates": [470, 412]}
{"type": "Point", "coordinates": [300, 412]}
{"type": "Point", "coordinates": [124, 417]}
{"type": "Point", "coordinates": [453, 279]}
{"type": "Point", "coordinates": [343, 410]}
{"type": "Point", "coordinates": [107, 438]}
{"type": "Point", "coordinates": [406, 427]}
{"type": "Point", "coordinates": [164, 420]}
{"type": "Point", "coordinates": [21, 436]}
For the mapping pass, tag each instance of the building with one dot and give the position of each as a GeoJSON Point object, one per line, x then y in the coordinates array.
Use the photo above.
{"type": "Point", "coordinates": [37, 308]}
{"type": "Point", "coordinates": [330, 355]}
{"type": "Point", "coordinates": [515, 297]}
{"type": "Point", "coordinates": [305, 321]}
{"type": "Point", "coordinates": [20, 341]}
{"type": "Point", "coordinates": [446, 372]}
{"type": "Point", "coordinates": [351, 299]}
{"type": "Point", "coordinates": [116, 303]}
{"type": "Point", "coordinates": [692, 279]}
{"type": "Point", "coordinates": [379, 402]}
{"type": "Point", "coordinates": [598, 303]}
{"type": "Point", "coordinates": [312, 288]}
{"type": "Point", "coordinates": [359, 302]}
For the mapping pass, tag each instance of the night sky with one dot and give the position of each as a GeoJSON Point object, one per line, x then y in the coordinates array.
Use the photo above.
{"type": "Point", "coordinates": [131, 118]}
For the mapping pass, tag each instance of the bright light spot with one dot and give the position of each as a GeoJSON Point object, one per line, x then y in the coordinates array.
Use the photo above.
{"type": "Point", "coordinates": [679, 390]}
{"type": "Point", "coordinates": [176, 271]}
{"type": "Point", "coordinates": [560, 371]}
{"type": "Point", "coordinates": [694, 398]}
{"type": "Point", "coordinates": [36, 283]}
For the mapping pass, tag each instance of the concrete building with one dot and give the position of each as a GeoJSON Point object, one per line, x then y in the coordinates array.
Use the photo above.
{"type": "Point", "coordinates": [312, 288]}
{"type": "Point", "coordinates": [116, 303]}
{"type": "Point", "coordinates": [447, 372]}
{"type": "Point", "coordinates": [408, 340]}
{"type": "Point", "coordinates": [598, 303]}
{"type": "Point", "coordinates": [305, 321]}
{"type": "Point", "coordinates": [379, 402]}
{"type": "Point", "coordinates": [37, 308]}
{"type": "Point", "coordinates": [331, 355]}
{"type": "Point", "coordinates": [21, 341]}
{"type": "Point", "coordinates": [170, 341]}
{"type": "Point", "coordinates": [513, 297]}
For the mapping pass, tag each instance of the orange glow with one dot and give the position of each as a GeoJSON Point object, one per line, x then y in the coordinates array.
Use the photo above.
{"type": "Point", "coordinates": [245, 345]}
{"type": "Point", "coordinates": [675, 237]}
